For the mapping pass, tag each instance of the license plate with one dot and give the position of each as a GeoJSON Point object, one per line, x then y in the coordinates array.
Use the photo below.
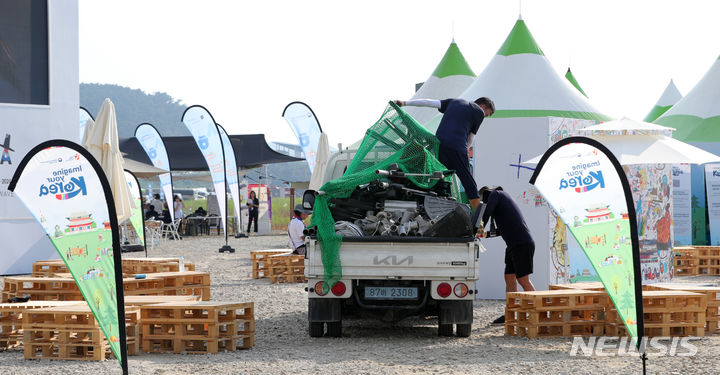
{"type": "Point", "coordinates": [386, 292]}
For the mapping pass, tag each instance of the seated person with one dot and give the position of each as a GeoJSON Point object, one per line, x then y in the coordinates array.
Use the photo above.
{"type": "Point", "coordinates": [295, 229]}
{"type": "Point", "coordinates": [200, 212]}
{"type": "Point", "coordinates": [166, 218]}
{"type": "Point", "coordinates": [151, 213]}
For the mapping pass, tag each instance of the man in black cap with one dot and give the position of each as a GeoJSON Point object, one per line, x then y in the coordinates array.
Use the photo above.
{"type": "Point", "coordinates": [295, 229]}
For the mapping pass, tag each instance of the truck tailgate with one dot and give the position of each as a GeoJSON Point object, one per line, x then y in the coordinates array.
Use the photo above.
{"type": "Point", "coordinates": [421, 260]}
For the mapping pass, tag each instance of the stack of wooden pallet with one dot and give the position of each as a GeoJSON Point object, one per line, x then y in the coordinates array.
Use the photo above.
{"type": "Point", "coordinates": [666, 313]}
{"type": "Point", "coordinates": [41, 289]}
{"type": "Point", "coordinates": [11, 333]}
{"type": "Point", "coordinates": [49, 268]}
{"type": "Point", "coordinates": [287, 268]}
{"type": "Point", "coordinates": [697, 260]}
{"type": "Point", "coordinates": [260, 261]}
{"type": "Point", "coordinates": [712, 293]}
{"type": "Point", "coordinates": [71, 332]}
{"type": "Point", "coordinates": [555, 313]}
{"type": "Point", "coordinates": [686, 261]}
{"type": "Point", "coordinates": [154, 265]}
{"type": "Point", "coordinates": [186, 283]}
{"type": "Point", "coordinates": [197, 327]}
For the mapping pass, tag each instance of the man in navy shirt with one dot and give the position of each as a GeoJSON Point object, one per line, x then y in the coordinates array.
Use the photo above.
{"type": "Point", "coordinates": [456, 131]}
{"type": "Point", "coordinates": [516, 234]}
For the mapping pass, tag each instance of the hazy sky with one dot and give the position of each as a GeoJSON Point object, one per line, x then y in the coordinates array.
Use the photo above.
{"type": "Point", "coordinates": [246, 60]}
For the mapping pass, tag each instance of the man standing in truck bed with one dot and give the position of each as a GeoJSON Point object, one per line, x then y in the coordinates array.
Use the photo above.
{"type": "Point", "coordinates": [456, 131]}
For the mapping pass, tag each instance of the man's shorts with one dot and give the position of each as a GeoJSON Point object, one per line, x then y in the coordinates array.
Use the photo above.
{"type": "Point", "coordinates": [458, 160]}
{"type": "Point", "coordinates": [519, 259]}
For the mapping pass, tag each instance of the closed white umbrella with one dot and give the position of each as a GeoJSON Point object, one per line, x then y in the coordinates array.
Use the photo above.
{"type": "Point", "coordinates": [323, 154]}
{"type": "Point", "coordinates": [101, 140]}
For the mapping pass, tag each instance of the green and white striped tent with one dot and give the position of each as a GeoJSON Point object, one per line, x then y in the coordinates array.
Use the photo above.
{"type": "Point", "coordinates": [696, 117]}
{"type": "Point", "coordinates": [531, 98]}
{"type": "Point", "coordinates": [571, 78]}
{"type": "Point", "coordinates": [522, 83]}
{"type": "Point", "coordinates": [451, 77]}
{"type": "Point", "coordinates": [669, 97]}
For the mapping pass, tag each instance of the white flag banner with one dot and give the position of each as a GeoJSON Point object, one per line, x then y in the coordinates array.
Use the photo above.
{"type": "Point", "coordinates": [231, 175]}
{"type": "Point", "coordinates": [202, 126]}
{"type": "Point", "coordinates": [154, 147]}
{"type": "Point", "coordinates": [307, 129]}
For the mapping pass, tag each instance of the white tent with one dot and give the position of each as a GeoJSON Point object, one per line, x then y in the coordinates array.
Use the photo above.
{"type": "Point", "coordinates": [697, 120]}
{"type": "Point", "coordinates": [697, 116]}
{"type": "Point", "coordinates": [533, 104]}
{"type": "Point", "coordinates": [449, 79]}
{"type": "Point", "coordinates": [669, 97]}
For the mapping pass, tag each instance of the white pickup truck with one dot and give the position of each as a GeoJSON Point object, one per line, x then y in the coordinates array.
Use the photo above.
{"type": "Point", "coordinates": [393, 277]}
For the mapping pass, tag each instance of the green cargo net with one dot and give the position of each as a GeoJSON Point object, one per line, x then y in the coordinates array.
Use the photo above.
{"type": "Point", "coordinates": [395, 138]}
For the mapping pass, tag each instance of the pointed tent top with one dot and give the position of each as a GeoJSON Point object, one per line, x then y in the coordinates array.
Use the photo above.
{"type": "Point", "coordinates": [697, 116]}
{"type": "Point", "coordinates": [453, 63]}
{"type": "Point", "coordinates": [520, 41]}
{"type": "Point", "coordinates": [669, 97]}
{"type": "Point", "coordinates": [570, 77]}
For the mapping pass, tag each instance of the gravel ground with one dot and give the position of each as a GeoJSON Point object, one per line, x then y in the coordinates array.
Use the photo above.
{"type": "Point", "coordinates": [282, 345]}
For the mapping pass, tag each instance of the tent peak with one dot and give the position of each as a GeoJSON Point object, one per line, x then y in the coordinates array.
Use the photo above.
{"type": "Point", "coordinates": [520, 40]}
{"type": "Point", "coordinates": [453, 63]}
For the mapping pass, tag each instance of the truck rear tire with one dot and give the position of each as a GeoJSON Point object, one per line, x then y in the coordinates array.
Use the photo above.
{"type": "Point", "coordinates": [334, 329]}
{"type": "Point", "coordinates": [316, 329]}
{"type": "Point", "coordinates": [445, 330]}
{"type": "Point", "coordinates": [463, 330]}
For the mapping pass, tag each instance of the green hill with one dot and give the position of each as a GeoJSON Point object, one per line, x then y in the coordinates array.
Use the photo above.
{"type": "Point", "coordinates": [133, 107]}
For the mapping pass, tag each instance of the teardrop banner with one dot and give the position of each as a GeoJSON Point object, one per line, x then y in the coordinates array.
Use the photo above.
{"type": "Point", "coordinates": [584, 183]}
{"type": "Point", "coordinates": [66, 191]}
{"type": "Point", "coordinates": [137, 219]}
{"type": "Point", "coordinates": [232, 177]}
{"type": "Point", "coordinates": [304, 123]}
{"type": "Point", "coordinates": [204, 130]}
{"type": "Point", "coordinates": [154, 147]}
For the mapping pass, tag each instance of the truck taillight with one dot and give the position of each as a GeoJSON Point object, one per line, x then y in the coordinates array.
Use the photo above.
{"type": "Point", "coordinates": [338, 289]}
{"type": "Point", "coordinates": [319, 288]}
{"type": "Point", "coordinates": [460, 290]}
{"type": "Point", "coordinates": [444, 290]}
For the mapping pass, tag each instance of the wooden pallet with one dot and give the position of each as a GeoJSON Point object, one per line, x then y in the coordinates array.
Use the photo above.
{"type": "Point", "coordinates": [555, 313]}
{"type": "Point", "coordinates": [154, 265]}
{"type": "Point", "coordinates": [712, 314]}
{"type": "Point", "coordinates": [260, 262]}
{"type": "Point", "coordinates": [697, 260]}
{"type": "Point", "coordinates": [49, 268]}
{"type": "Point", "coordinates": [197, 327]}
{"type": "Point", "coordinates": [72, 333]}
{"type": "Point", "coordinates": [154, 300]}
{"type": "Point", "coordinates": [11, 334]}
{"type": "Point", "coordinates": [149, 286]}
{"type": "Point", "coordinates": [593, 285]}
{"type": "Point", "coordinates": [666, 313]}
{"type": "Point", "coordinates": [41, 289]}
{"type": "Point", "coordinates": [188, 283]}
{"type": "Point", "coordinates": [286, 268]}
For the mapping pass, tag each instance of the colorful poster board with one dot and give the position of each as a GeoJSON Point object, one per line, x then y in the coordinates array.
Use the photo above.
{"type": "Point", "coordinates": [712, 181]}
{"type": "Point", "coordinates": [682, 205]}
